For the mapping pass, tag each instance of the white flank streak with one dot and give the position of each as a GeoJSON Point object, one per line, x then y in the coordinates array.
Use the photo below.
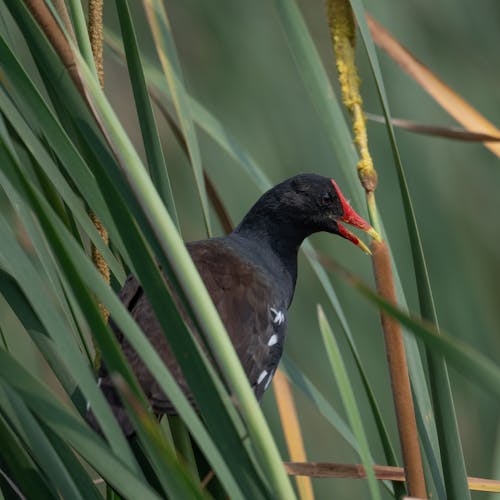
{"type": "Point", "coordinates": [279, 317]}
{"type": "Point", "coordinates": [262, 376]}
{"type": "Point", "coordinates": [272, 340]}
{"type": "Point", "coordinates": [271, 375]}
{"type": "Point", "coordinates": [88, 405]}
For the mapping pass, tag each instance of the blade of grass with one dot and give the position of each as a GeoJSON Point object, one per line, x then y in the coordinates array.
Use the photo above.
{"type": "Point", "coordinates": [28, 318]}
{"type": "Point", "coordinates": [182, 443]}
{"type": "Point", "coordinates": [150, 135]}
{"type": "Point", "coordinates": [50, 168]}
{"type": "Point", "coordinates": [36, 441]}
{"type": "Point", "coordinates": [41, 118]}
{"type": "Point", "coordinates": [81, 33]}
{"type": "Point", "coordinates": [330, 292]}
{"type": "Point", "coordinates": [324, 407]}
{"type": "Point", "coordinates": [44, 404]}
{"type": "Point", "coordinates": [18, 469]}
{"type": "Point", "coordinates": [167, 53]}
{"type": "Point", "coordinates": [81, 476]}
{"type": "Point", "coordinates": [4, 340]}
{"type": "Point", "coordinates": [465, 359]}
{"type": "Point", "coordinates": [13, 257]}
{"type": "Point", "coordinates": [349, 400]}
{"type": "Point", "coordinates": [453, 463]}
{"type": "Point", "coordinates": [175, 478]}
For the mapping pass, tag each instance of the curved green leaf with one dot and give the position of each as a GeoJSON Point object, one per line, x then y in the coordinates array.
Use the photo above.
{"type": "Point", "coordinates": [347, 393]}
{"type": "Point", "coordinates": [150, 135]}
{"type": "Point", "coordinates": [167, 53]}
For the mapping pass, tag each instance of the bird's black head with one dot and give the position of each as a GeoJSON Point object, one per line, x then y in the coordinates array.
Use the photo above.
{"type": "Point", "coordinates": [303, 205]}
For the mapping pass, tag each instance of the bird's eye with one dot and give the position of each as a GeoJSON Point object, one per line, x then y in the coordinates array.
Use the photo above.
{"type": "Point", "coordinates": [326, 199]}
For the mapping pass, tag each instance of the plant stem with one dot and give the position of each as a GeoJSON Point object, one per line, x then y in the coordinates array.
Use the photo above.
{"type": "Point", "coordinates": [398, 369]}
{"type": "Point", "coordinates": [373, 211]}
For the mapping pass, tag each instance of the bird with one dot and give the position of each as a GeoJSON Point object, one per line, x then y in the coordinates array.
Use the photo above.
{"type": "Point", "coordinates": [250, 275]}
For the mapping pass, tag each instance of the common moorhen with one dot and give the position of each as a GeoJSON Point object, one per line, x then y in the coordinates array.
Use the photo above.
{"type": "Point", "coordinates": [250, 275]}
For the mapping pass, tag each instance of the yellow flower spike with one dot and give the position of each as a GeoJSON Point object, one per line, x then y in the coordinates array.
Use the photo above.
{"type": "Point", "coordinates": [343, 34]}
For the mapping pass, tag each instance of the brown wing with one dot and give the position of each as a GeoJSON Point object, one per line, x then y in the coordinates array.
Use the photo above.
{"type": "Point", "coordinates": [254, 315]}
{"type": "Point", "coordinates": [256, 323]}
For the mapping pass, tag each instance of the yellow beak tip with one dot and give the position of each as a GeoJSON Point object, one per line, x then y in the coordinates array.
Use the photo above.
{"type": "Point", "coordinates": [364, 248]}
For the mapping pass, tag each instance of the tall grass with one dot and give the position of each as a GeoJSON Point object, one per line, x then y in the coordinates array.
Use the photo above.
{"type": "Point", "coordinates": [252, 92]}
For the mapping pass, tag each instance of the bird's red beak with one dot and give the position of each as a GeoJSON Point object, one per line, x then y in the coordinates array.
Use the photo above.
{"type": "Point", "coordinates": [354, 219]}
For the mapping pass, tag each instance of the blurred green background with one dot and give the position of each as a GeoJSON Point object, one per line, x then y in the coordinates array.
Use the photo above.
{"type": "Point", "coordinates": [237, 63]}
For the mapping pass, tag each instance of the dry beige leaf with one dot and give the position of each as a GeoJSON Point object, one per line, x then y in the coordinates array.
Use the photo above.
{"type": "Point", "coordinates": [447, 98]}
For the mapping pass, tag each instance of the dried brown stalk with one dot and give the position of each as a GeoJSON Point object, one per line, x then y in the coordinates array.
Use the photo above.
{"type": "Point", "coordinates": [446, 97]}
{"type": "Point", "coordinates": [456, 133]}
{"type": "Point", "coordinates": [53, 32]}
{"type": "Point", "coordinates": [324, 470]}
{"type": "Point", "coordinates": [398, 369]}
{"type": "Point", "coordinates": [291, 430]}
{"type": "Point", "coordinates": [61, 9]}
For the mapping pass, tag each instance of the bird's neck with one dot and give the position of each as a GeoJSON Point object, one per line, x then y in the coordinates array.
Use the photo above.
{"type": "Point", "coordinates": [274, 244]}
